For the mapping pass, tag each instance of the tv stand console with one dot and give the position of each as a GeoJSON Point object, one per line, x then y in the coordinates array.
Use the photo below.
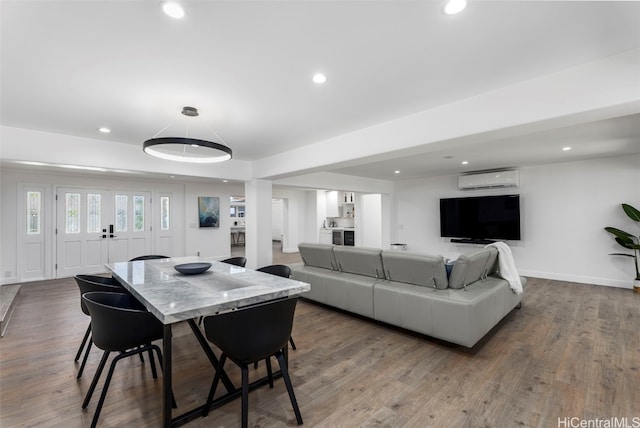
{"type": "Point", "coordinates": [472, 241]}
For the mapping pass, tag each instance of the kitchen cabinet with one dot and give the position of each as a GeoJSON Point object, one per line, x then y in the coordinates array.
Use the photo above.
{"type": "Point", "coordinates": [332, 204]}
{"type": "Point", "coordinates": [347, 211]}
{"type": "Point", "coordinates": [347, 198]}
{"type": "Point", "coordinates": [326, 236]}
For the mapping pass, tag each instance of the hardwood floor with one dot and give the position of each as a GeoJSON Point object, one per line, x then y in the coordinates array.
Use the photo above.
{"type": "Point", "coordinates": [278, 256]}
{"type": "Point", "coordinates": [572, 351]}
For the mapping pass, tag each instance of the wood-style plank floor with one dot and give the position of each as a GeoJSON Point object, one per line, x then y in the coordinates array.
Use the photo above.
{"type": "Point", "coordinates": [572, 351]}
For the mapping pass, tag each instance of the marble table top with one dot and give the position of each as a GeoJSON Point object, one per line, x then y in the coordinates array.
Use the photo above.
{"type": "Point", "coordinates": [173, 297]}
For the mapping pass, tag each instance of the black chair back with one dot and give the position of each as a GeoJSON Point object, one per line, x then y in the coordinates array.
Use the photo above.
{"type": "Point", "coordinates": [236, 261]}
{"type": "Point", "coordinates": [279, 270]}
{"type": "Point", "coordinates": [149, 257]}
{"type": "Point", "coordinates": [99, 279]}
{"type": "Point", "coordinates": [119, 322]}
{"type": "Point", "coordinates": [86, 285]}
{"type": "Point", "coordinates": [252, 334]}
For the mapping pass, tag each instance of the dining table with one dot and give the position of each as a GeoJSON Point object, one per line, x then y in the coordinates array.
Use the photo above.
{"type": "Point", "coordinates": [174, 297]}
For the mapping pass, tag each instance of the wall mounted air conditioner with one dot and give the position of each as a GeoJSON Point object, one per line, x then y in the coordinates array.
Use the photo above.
{"type": "Point", "coordinates": [489, 180]}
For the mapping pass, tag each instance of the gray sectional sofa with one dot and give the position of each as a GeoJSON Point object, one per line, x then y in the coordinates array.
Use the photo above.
{"type": "Point", "coordinates": [411, 290]}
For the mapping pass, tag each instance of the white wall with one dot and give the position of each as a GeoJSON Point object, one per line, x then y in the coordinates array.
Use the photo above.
{"type": "Point", "coordinates": [209, 242]}
{"type": "Point", "coordinates": [370, 232]}
{"type": "Point", "coordinates": [316, 206]}
{"type": "Point", "coordinates": [258, 248]}
{"type": "Point", "coordinates": [277, 213]}
{"type": "Point", "coordinates": [564, 208]}
{"type": "Point", "coordinates": [187, 238]}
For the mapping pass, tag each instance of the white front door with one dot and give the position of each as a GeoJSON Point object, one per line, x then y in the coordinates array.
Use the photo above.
{"type": "Point", "coordinates": [98, 226]}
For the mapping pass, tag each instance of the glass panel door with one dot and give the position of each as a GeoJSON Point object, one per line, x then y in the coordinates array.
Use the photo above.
{"type": "Point", "coordinates": [96, 227]}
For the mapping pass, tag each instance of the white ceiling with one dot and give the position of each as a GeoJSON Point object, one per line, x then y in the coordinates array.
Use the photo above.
{"type": "Point", "coordinates": [70, 67]}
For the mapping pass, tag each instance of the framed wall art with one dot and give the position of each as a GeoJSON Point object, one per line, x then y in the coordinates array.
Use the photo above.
{"type": "Point", "coordinates": [209, 211]}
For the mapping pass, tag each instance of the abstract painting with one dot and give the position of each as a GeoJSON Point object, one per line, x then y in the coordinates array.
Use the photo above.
{"type": "Point", "coordinates": [209, 211]}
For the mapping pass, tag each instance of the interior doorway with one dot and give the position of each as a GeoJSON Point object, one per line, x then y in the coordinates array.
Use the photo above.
{"type": "Point", "coordinates": [237, 210]}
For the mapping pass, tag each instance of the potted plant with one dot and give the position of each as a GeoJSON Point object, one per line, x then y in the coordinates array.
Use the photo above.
{"type": "Point", "coordinates": [628, 241]}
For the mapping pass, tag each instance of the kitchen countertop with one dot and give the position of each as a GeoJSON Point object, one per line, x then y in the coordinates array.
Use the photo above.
{"type": "Point", "coordinates": [337, 228]}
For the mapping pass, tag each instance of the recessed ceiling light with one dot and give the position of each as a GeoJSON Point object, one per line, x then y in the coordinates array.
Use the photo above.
{"type": "Point", "coordinates": [566, 149]}
{"type": "Point", "coordinates": [396, 171]}
{"type": "Point", "coordinates": [225, 181]}
{"type": "Point", "coordinates": [319, 78]}
{"type": "Point", "coordinates": [465, 162]}
{"type": "Point", "coordinates": [173, 10]}
{"type": "Point", "coordinates": [454, 6]}
{"type": "Point", "coordinates": [104, 130]}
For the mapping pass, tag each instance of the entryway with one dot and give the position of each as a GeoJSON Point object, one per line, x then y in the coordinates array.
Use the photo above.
{"type": "Point", "coordinates": [98, 226]}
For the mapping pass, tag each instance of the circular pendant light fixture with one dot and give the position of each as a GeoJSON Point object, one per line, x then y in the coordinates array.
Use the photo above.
{"type": "Point", "coordinates": [187, 149]}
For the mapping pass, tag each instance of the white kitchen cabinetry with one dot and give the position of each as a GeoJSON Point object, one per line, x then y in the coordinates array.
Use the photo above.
{"type": "Point", "coordinates": [326, 236]}
{"type": "Point", "coordinates": [332, 204]}
{"type": "Point", "coordinates": [346, 198]}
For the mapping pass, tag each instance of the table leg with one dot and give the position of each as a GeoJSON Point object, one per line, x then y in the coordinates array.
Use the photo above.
{"type": "Point", "coordinates": [212, 357]}
{"type": "Point", "coordinates": [166, 377]}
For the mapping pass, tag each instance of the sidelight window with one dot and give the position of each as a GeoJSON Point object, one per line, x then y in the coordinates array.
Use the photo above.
{"type": "Point", "coordinates": [121, 213]}
{"type": "Point", "coordinates": [72, 212]}
{"type": "Point", "coordinates": [164, 213]}
{"type": "Point", "coordinates": [34, 211]}
{"type": "Point", "coordinates": [94, 211]}
{"type": "Point", "coordinates": [138, 213]}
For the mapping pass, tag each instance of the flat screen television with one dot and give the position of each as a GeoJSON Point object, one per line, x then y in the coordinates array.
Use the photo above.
{"type": "Point", "coordinates": [480, 218]}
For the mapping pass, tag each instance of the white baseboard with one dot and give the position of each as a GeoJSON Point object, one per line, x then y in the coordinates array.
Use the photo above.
{"type": "Point", "coordinates": [11, 280]}
{"type": "Point", "coordinates": [578, 278]}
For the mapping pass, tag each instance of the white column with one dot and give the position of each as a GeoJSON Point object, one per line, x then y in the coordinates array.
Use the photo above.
{"type": "Point", "coordinates": [258, 196]}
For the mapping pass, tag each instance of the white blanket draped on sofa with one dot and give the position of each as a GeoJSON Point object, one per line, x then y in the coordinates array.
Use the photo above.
{"type": "Point", "coordinates": [507, 266]}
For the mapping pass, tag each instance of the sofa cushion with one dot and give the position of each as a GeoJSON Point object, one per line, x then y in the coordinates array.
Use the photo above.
{"type": "Point", "coordinates": [492, 263]}
{"type": "Point", "coordinates": [318, 255]}
{"type": "Point", "coordinates": [470, 268]}
{"type": "Point", "coordinates": [415, 268]}
{"type": "Point", "coordinates": [360, 261]}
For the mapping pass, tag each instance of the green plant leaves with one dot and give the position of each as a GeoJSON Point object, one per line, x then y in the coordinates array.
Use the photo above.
{"type": "Point", "coordinates": [627, 243]}
{"type": "Point", "coordinates": [620, 234]}
{"type": "Point", "coordinates": [626, 239]}
{"type": "Point", "coordinates": [621, 254]}
{"type": "Point", "coordinates": [631, 212]}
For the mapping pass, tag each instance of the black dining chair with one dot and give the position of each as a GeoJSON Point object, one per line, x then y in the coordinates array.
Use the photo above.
{"type": "Point", "coordinates": [285, 272]}
{"type": "Point", "coordinates": [246, 336]}
{"type": "Point", "coordinates": [119, 323]}
{"type": "Point", "coordinates": [88, 283]}
{"type": "Point", "coordinates": [100, 279]}
{"type": "Point", "coordinates": [148, 257]}
{"type": "Point", "coordinates": [236, 261]}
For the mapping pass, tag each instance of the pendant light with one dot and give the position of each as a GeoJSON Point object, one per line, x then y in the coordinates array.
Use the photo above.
{"type": "Point", "coordinates": [187, 149]}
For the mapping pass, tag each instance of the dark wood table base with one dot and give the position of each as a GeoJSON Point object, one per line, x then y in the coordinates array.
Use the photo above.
{"type": "Point", "coordinates": [232, 391]}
